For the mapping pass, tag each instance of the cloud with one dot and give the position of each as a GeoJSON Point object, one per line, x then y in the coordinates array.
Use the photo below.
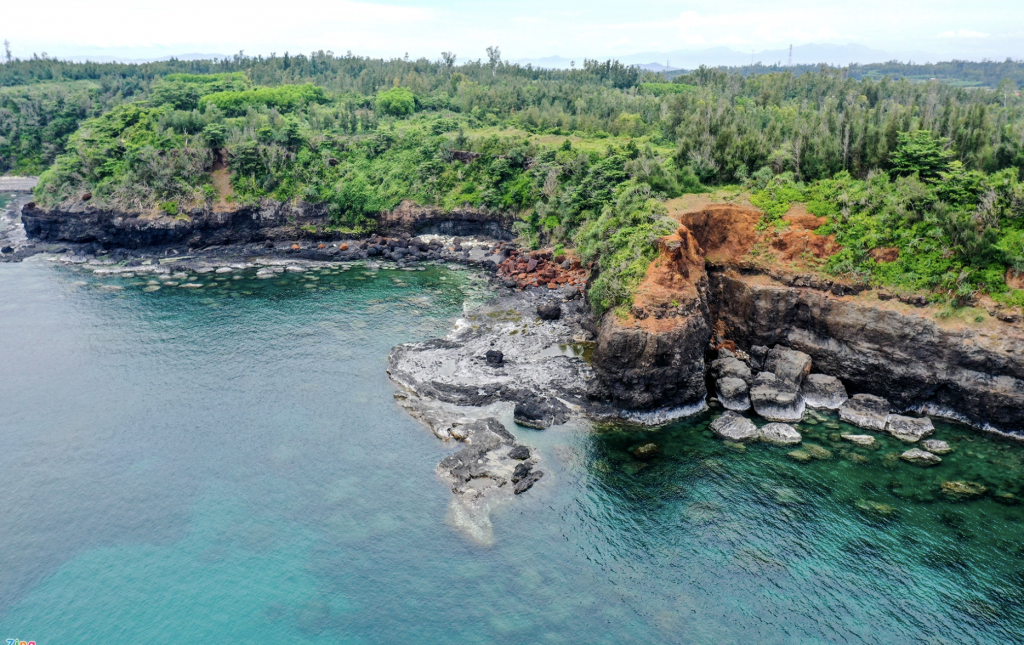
{"type": "Point", "coordinates": [963, 33]}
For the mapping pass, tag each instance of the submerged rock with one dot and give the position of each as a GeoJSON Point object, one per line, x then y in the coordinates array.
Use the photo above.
{"type": "Point", "coordinates": [936, 446]}
{"type": "Point", "coordinates": [963, 490]}
{"type": "Point", "coordinates": [860, 439]}
{"type": "Point", "coordinates": [788, 364]}
{"type": "Point", "coordinates": [876, 508]}
{"type": "Point", "coordinates": [799, 455]}
{"type": "Point", "coordinates": [865, 411]}
{"type": "Point", "coordinates": [780, 434]}
{"type": "Point", "coordinates": [817, 452]}
{"type": "Point", "coordinates": [776, 399]}
{"type": "Point", "coordinates": [909, 429]}
{"type": "Point", "coordinates": [821, 391]}
{"type": "Point", "coordinates": [646, 451]}
{"type": "Point", "coordinates": [733, 394]}
{"type": "Point", "coordinates": [920, 457]}
{"type": "Point", "coordinates": [734, 427]}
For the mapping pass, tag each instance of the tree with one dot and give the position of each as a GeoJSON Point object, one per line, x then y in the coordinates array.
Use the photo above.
{"type": "Point", "coordinates": [494, 58]}
{"type": "Point", "coordinates": [398, 101]}
{"type": "Point", "coordinates": [7, 50]}
{"type": "Point", "coordinates": [922, 153]}
{"type": "Point", "coordinates": [448, 60]}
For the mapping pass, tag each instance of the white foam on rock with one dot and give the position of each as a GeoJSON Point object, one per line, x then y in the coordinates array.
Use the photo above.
{"type": "Point", "coordinates": [663, 415]}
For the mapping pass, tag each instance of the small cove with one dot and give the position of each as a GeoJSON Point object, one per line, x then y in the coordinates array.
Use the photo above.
{"type": "Point", "coordinates": [227, 462]}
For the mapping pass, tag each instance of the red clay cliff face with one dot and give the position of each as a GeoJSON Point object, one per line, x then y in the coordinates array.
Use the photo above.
{"type": "Point", "coordinates": [706, 284]}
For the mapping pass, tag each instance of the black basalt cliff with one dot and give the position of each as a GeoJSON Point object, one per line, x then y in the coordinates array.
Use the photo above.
{"type": "Point", "coordinates": [268, 220]}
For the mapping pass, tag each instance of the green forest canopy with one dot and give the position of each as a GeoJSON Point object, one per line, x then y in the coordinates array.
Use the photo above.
{"type": "Point", "coordinates": [567, 151]}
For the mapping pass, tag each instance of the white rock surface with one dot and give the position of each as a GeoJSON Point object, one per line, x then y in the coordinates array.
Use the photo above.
{"type": "Point", "coordinates": [734, 427]}
{"type": "Point", "coordinates": [909, 429]}
{"type": "Point", "coordinates": [866, 411]}
{"type": "Point", "coordinates": [780, 434]}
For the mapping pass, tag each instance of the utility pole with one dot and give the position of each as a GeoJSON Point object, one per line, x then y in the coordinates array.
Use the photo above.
{"type": "Point", "coordinates": [790, 55]}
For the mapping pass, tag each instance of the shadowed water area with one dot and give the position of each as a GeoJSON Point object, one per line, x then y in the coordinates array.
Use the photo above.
{"type": "Point", "coordinates": [228, 463]}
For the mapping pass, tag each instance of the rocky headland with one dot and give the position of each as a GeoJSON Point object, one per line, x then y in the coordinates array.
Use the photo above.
{"type": "Point", "coordinates": [716, 320]}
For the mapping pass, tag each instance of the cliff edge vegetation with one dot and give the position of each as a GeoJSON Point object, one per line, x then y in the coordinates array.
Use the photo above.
{"type": "Point", "coordinates": [916, 184]}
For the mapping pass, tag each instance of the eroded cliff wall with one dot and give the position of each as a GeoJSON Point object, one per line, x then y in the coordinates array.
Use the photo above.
{"type": "Point", "coordinates": [655, 356]}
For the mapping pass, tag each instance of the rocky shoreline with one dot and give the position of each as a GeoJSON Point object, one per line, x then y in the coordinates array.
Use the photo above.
{"type": "Point", "coordinates": [769, 342]}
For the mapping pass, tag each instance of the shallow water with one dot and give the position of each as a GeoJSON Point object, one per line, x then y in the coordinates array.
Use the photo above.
{"type": "Point", "coordinates": [228, 463]}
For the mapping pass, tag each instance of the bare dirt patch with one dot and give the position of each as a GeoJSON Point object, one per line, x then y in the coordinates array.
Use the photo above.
{"type": "Point", "coordinates": [723, 231]}
{"type": "Point", "coordinates": [885, 254]}
{"type": "Point", "coordinates": [798, 217]}
{"type": "Point", "coordinates": [221, 178]}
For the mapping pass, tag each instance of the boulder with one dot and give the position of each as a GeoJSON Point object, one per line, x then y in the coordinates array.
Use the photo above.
{"type": "Point", "coordinates": [822, 391]}
{"type": "Point", "coordinates": [527, 482]}
{"type": "Point", "coordinates": [860, 439]}
{"type": "Point", "coordinates": [776, 399]}
{"type": "Point", "coordinates": [920, 457]}
{"type": "Point", "coordinates": [788, 364]}
{"type": "Point", "coordinates": [550, 311]}
{"type": "Point", "coordinates": [936, 446]}
{"type": "Point", "coordinates": [780, 434]}
{"type": "Point", "coordinates": [519, 452]}
{"type": "Point", "coordinates": [757, 354]}
{"type": "Point", "coordinates": [521, 471]}
{"type": "Point", "coordinates": [730, 367]}
{"type": "Point", "coordinates": [909, 429]}
{"type": "Point", "coordinates": [494, 357]}
{"type": "Point", "coordinates": [734, 427]}
{"type": "Point", "coordinates": [733, 394]}
{"type": "Point", "coordinates": [539, 412]}
{"type": "Point", "coordinates": [865, 411]}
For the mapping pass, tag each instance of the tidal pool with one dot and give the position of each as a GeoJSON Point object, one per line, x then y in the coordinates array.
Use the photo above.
{"type": "Point", "coordinates": [227, 463]}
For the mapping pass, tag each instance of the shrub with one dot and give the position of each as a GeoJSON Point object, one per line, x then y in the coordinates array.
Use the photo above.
{"type": "Point", "coordinates": [284, 98]}
{"type": "Point", "coordinates": [623, 243]}
{"type": "Point", "coordinates": [398, 101]}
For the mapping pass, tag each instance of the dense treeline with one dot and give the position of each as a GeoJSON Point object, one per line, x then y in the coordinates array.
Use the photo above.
{"type": "Point", "coordinates": [583, 157]}
{"type": "Point", "coordinates": [819, 124]}
{"type": "Point", "coordinates": [955, 72]}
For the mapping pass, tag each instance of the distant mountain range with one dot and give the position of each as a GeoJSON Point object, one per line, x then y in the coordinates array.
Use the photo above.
{"type": "Point", "coordinates": [693, 58]}
{"type": "Point", "coordinates": [655, 61]}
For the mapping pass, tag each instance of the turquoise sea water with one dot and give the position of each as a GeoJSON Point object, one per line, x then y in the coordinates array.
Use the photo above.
{"type": "Point", "coordinates": [228, 465]}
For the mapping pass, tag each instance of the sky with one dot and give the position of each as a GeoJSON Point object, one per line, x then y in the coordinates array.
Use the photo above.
{"type": "Point", "coordinates": [944, 29]}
